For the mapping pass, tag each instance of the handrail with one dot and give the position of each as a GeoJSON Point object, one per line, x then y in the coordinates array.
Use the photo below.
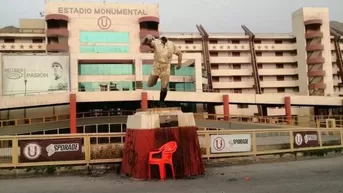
{"type": "Point", "coordinates": [23, 30]}
{"type": "Point", "coordinates": [98, 152]}
{"type": "Point", "coordinates": [275, 120]}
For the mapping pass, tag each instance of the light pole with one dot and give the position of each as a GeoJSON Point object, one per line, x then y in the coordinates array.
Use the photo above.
{"type": "Point", "coordinates": [25, 84]}
{"type": "Point", "coordinates": [25, 81]}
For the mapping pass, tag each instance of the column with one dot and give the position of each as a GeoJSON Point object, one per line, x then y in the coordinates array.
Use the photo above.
{"type": "Point", "coordinates": [138, 73]}
{"type": "Point", "coordinates": [198, 73]}
{"type": "Point", "coordinates": [72, 113]}
{"type": "Point", "coordinates": [74, 73]}
{"type": "Point", "coordinates": [1, 79]}
{"type": "Point", "coordinates": [144, 102]}
{"type": "Point", "coordinates": [226, 110]}
{"type": "Point", "coordinates": [288, 110]}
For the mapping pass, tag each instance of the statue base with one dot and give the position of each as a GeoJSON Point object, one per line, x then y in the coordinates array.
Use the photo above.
{"type": "Point", "coordinates": [150, 129]}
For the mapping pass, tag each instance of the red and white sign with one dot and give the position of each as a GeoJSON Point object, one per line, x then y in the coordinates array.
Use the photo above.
{"type": "Point", "coordinates": [218, 143]}
{"type": "Point", "coordinates": [230, 143]}
{"type": "Point", "coordinates": [306, 139]}
{"type": "Point", "coordinates": [32, 151]}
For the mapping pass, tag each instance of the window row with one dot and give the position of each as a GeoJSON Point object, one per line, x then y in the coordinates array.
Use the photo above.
{"type": "Point", "coordinates": [246, 66]}
{"type": "Point", "coordinates": [184, 71]}
{"type": "Point", "coordinates": [128, 69]}
{"type": "Point", "coordinates": [258, 53]}
{"type": "Point", "coordinates": [106, 69]}
{"type": "Point", "coordinates": [233, 41]}
{"type": "Point", "coordinates": [130, 85]}
{"type": "Point", "coordinates": [269, 78]}
{"type": "Point", "coordinates": [277, 90]}
{"type": "Point", "coordinates": [104, 37]}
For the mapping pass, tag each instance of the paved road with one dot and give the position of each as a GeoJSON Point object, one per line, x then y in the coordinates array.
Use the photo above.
{"type": "Point", "coordinates": [311, 176]}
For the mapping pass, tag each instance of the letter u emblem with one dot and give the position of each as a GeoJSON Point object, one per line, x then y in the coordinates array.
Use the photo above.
{"type": "Point", "coordinates": [104, 22]}
{"type": "Point", "coordinates": [34, 152]}
{"type": "Point", "coordinates": [219, 144]}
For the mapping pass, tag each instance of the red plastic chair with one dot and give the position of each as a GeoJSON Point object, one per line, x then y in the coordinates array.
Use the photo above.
{"type": "Point", "coordinates": [167, 151]}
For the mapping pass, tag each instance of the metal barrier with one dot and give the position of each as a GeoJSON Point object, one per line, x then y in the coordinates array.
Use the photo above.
{"type": "Point", "coordinates": [56, 118]}
{"type": "Point", "coordinates": [23, 30]}
{"type": "Point", "coordinates": [305, 121]}
{"type": "Point", "coordinates": [108, 147]}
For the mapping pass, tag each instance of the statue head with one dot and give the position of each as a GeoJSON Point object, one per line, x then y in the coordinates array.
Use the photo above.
{"type": "Point", "coordinates": [164, 39]}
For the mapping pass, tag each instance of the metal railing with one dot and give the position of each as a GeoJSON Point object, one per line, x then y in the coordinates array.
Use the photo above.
{"type": "Point", "coordinates": [23, 30]}
{"type": "Point", "coordinates": [110, 150]}
{"type": "Point", "coordinates": [303, 121]}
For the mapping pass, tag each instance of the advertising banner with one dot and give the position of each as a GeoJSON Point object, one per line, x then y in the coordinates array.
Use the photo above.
{"type": "Point", "coordinates": [33, 74]}
{"type": "Point", "coordinates": [51, 150]}
{"type": "Point", "coordinates": [306, 139]}
{"type": "Point", "coordinates": [230, 143]}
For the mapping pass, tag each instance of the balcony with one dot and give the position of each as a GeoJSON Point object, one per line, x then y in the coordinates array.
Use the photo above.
{"type": "Point", "coordinates": [276, 84]}
{"type": "Point", "coordinates": [144, 33]}
{"type": "Point", "coordinates": [226, 85]}
{"type": "Point", "coordinates": [316, 73]}
{"type": "Point", "coordinates": [55, 47]}
{"type": "Point", "coordinates": [313, 22]}
{"type": "Point", "coordinates": [274, 47]}
{"type": "Point", "coordinates": [317, 86]}
{"type": "Point", "coordinates": [277, 71]}
{"type": "Point", "coordinates": [276, 59]}
{"type": "Point", "coordinates": [231, 60]}
{"type": "Point", "coordinates": [149, 19]}
{"type": "Point", "coordinates": [59, 32]}
{"type": "Point", "coordinates": [316, 60]}
{"type": "Point", "coordinates": [313, 34]}
{"type": "Point", "coordinates": [228, 47]}
{"type": "Point", "coordinates": [22, 32]}
{"type": "Point", "coordinates": [190, 47]}
{"type": "Point", "coordinates": [57, 17]}
{"type": "Point", "coordinates": [232, 72]}
{"type": "Point", "coordinates": [22, 47]}
{"type": "Point", "coordinates": [314, 47]}
{"type": "Point", "coordinates": [248, 72]}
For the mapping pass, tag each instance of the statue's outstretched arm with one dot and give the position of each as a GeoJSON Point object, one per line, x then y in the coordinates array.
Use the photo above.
{"type": "Point", "coordinates": [148, 40]}
{"type": "Point", "coordinates": [178, 52]}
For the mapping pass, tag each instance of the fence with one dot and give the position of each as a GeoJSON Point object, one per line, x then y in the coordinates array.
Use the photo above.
{"type": "Point", "coordinates": [261, 142]}
{"type": "Point", "coordinates": [23, 30]}
{"type": "Point", "coordinates": [306, 121]}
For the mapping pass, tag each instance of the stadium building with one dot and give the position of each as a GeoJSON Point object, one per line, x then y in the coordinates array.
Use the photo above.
{"type": "Point", "coordinates": [87, 57]}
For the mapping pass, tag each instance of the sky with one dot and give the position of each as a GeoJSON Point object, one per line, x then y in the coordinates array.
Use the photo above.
{"type": "Point", "coordinates": [260, 16]}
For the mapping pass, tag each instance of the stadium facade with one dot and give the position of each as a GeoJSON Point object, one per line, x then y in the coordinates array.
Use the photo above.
{"type": "Point", "coordinates": [93, 51]}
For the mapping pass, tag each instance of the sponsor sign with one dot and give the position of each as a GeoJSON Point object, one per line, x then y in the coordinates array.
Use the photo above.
{"type": "Point", "coordinates": [25, 74]}
{"type": "Point", "coordinates": [230, 143]}
{"type": "Point", "coordinates": [306, 139]}
{"type": "Point", "coordinates": [51, 150]}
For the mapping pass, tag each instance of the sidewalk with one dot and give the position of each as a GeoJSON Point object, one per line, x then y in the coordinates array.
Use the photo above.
{"type": "Point", "coordinates": [315, 176]}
